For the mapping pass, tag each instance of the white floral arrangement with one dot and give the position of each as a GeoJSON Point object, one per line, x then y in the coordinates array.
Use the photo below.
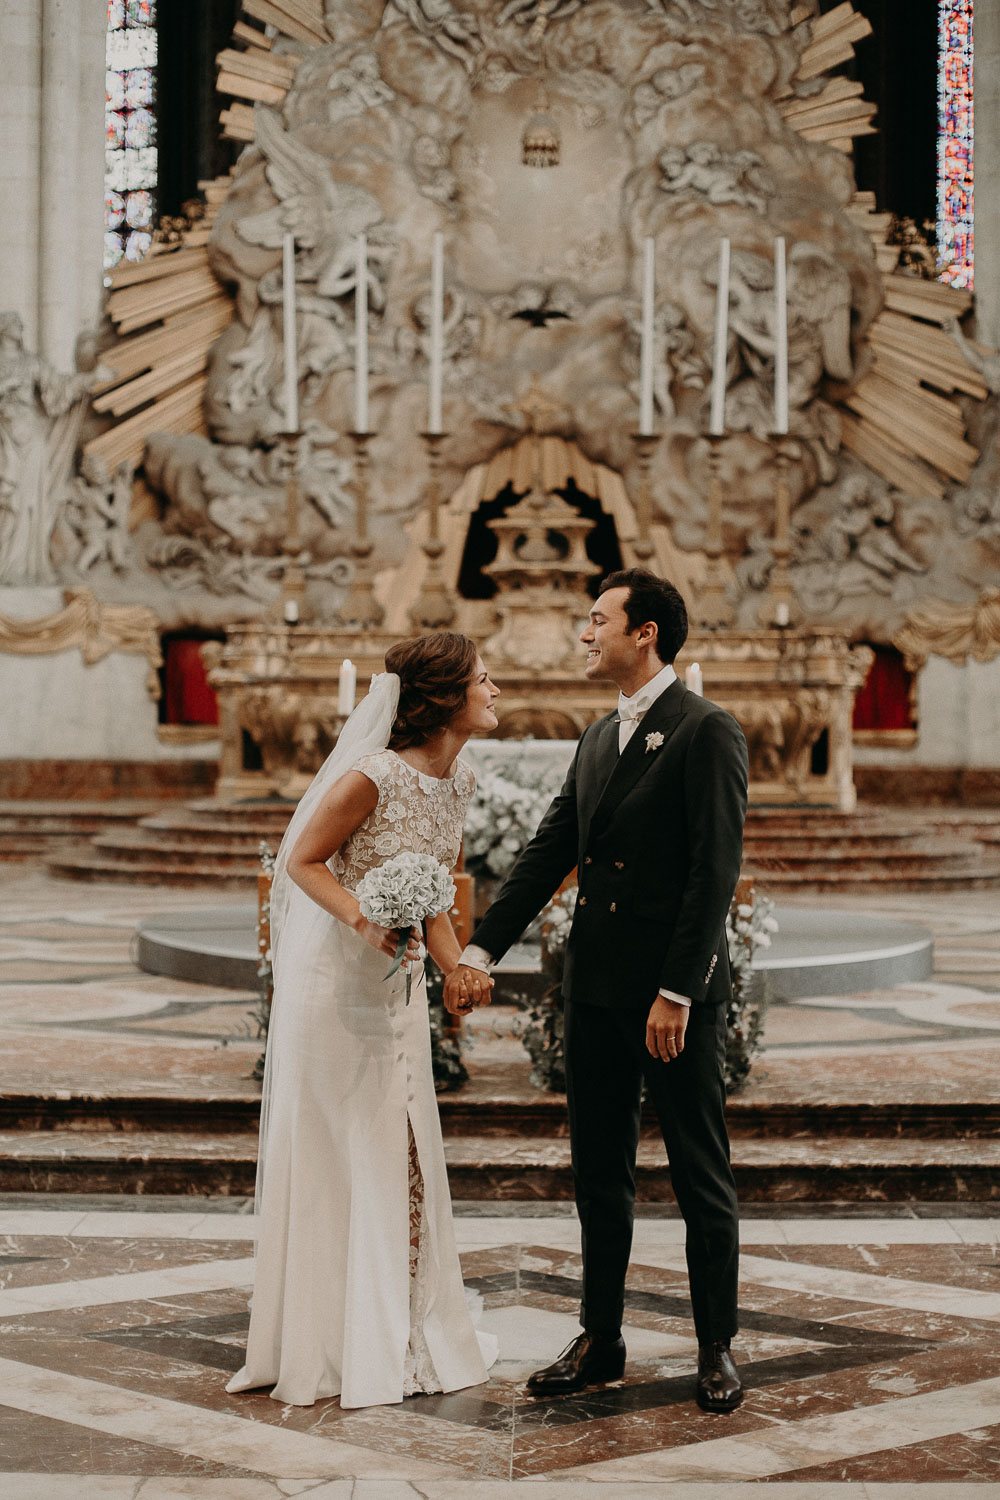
{"type": "Point", "coordinates": [402, 892]}
{"type": "Point", "coordinates": [749, 927]}
{"type": "Point", "coordinates": [504, 813]}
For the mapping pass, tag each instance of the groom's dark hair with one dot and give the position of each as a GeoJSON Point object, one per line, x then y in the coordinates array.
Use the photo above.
{"type": "Point", "coordinates": [651, 599]}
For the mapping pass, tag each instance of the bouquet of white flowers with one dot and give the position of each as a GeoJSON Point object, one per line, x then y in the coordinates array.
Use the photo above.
{"type": "Point", "coordinates": [401, 893]}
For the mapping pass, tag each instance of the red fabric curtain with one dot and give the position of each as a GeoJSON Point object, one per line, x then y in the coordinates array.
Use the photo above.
{"type": "Point", "coordinates": [884, 701]}
{"type": "Point", "coordinates": [189, 697]}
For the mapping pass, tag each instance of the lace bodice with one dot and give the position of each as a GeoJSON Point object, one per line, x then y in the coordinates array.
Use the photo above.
{"type": "Point", "coordinates": [415, 812]}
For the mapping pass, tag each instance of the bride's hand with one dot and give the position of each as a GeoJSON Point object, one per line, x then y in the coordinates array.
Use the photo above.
{"type": "Point", "coordinates": [384, 939]}
{"type": "Point", "coordinates": [465, 988]}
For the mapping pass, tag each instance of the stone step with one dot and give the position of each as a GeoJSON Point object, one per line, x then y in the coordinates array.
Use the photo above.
{"type": "Point", "coordinates": [511, 1114]}
{"type": "Point", "coordinates": [192, 830]}
{"type": "Point", "coordinates": [977, 876]}
{"type": "Point", "coordinates": [806, 844]}
{"type": "Point", "coordinates": [30, 829]}
{"type": "Point", "coordinates": [86, 865]}
{"type": "Point", "coordinates": [142, 848]}
{"type": "Point", "coordinates": [816, 1169]}
{"type": "Point", "coordinates": [238, 814]}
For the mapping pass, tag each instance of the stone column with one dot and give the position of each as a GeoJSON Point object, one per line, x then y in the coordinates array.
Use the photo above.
{"type": "Point", "coordinates": [52, 170]}
{"type": "Point", "coordinates": [986, 169]}
{"type": "Point", "coordinates": [20, 108]}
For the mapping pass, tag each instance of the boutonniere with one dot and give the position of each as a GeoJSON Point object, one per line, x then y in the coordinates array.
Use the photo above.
{"type": "Point", "coordinates": [653, 741]}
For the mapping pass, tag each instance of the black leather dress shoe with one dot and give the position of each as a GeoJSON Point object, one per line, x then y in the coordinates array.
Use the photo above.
{"type": "Point", "coordinates": [719, 1385]}
{"type": "Point", "coordinates": [588, 1360]}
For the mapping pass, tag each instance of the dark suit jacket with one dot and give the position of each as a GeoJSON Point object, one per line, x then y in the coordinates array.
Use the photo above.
{"type": "Point", "coordinates": [656, 835]}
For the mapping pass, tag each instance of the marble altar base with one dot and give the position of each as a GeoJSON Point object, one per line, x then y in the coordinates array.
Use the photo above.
{"type": "Point", "coordinates": [791, 690]}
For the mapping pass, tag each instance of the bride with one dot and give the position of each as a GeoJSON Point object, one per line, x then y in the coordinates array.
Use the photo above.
{"type": "Point", "coordinates": [358, 1288]}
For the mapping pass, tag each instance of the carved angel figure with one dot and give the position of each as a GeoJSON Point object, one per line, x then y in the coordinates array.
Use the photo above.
{"type": "Point", "coordinates": [819, 319]}
{"type": "Point", "coordinates": [325, 216]}
{"type": "Point", "coordinates": [453, 32]}
{"type": "Point", "coordinates": [357, 87]}
{"type": "Point", "coordinates": [722, 177]}
{"type": "Point", "coordinates": [97, 513]}
{"type": "Point", "coordinates": [856, 550]}
{"type": "Point", "coordinates": [665, 85]}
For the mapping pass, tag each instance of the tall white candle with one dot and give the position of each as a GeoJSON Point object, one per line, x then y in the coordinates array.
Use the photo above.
{"type": "Point", "coordinates": [693, 679]}
{"type": "Point", "coordinates": [646, 348]}
{"type": "Point", "coordinates": [288, 332]}
{"type": "Point", "coordinates": [361, 336]}
{"type": "Point", "coordinates": [780, 338]}
{"type": "Point", "coordinates": [347, 687]}
{"type": "Point", "coordinates": [718, 414]}
{"type": "Point", "coordinates": [434, 419]}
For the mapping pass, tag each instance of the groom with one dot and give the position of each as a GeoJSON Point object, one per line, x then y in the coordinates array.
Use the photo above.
{"type": "Point", "coordinates": [651, 815]}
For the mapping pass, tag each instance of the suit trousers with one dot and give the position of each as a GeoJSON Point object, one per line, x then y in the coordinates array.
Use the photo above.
{"type": "Point", "coordinates": [606, 1061]}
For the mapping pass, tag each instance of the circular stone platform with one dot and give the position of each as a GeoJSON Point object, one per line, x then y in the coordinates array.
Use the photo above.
{"type": "Point", "coordinates": [814, 951]}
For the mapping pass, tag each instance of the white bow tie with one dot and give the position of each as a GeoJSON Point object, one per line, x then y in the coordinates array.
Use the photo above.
{"type": "Point", "coordinates": [628, 713]}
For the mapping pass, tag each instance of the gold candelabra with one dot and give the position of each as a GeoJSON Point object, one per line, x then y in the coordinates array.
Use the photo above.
{"type": "Point", "coordinates": [645, 446]}
{"type": "Point", "coordinates": [434, 608]}
{"type": "Point", "coordinates": [780, 606]}
{"type": "Point", "coordinates": [713, 609]}
{"type": "Point", "coordinates": [361, 610]}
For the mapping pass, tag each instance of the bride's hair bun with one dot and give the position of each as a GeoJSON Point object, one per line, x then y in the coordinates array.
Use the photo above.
{"type": "Point", "coordinates": [434, 673]}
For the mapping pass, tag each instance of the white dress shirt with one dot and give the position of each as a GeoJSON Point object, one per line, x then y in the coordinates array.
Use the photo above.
{"type": "Point", "coordinates": [630, 712]}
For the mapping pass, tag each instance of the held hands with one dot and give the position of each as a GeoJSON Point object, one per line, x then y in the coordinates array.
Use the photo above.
{"type": "Point", "coordinates": [665, 1028]}
{"type": "Point", "coordinates": [465, 988]}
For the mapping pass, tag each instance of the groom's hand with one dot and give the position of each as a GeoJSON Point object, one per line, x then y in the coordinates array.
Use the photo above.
{"type": "Point", "coordinates": [465, 988]}
{"type": "Point", "coordinates": [665, 1028]}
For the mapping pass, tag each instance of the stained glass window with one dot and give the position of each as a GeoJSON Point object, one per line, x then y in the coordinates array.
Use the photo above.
{"type": "Point", "coordinates": [955, 198]}
{"type": "Point", "coordinates": [130, 156]}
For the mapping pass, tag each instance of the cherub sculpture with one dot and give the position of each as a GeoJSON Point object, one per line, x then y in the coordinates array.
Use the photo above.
{"type": "Point", "coordinates": [97, 513]}
{"type": "Point", "coordinates": [451, 30]}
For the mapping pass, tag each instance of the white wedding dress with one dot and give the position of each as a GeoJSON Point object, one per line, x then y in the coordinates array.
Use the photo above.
{"type": "Point", "coordinates": [358, 1289]}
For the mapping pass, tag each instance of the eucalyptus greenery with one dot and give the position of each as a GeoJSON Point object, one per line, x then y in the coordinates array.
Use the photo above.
{"type": "Point", "coordinates": [749, 927]}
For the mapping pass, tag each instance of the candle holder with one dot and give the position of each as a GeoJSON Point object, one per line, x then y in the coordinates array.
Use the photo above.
{"type": "Point", "coordinates": [289, 607]}
{"type": "Point", "coordinates": [434, 608]}
{"type": "Point", "coordinates": [361, 609]}
{"type": "Point", "coordinates": [780, 607]}
{"type": "Point", "coordinates": [645, 446]}
{"type": "Point", "coordinates": [713, 609]}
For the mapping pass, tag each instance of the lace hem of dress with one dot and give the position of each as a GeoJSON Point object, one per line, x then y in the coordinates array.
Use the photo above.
{"type": "Point", "coordinates": [419, 1375]}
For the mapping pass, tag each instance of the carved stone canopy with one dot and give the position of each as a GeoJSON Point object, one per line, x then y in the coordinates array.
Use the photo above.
{"type": "Point", "coordinates": [541, 571]}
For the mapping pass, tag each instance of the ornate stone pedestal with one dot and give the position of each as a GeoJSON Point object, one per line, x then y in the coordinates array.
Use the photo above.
{"type": "Point", "coordinates": [277, 687]}
{"type": "Point", "coordinates": [793, 692]}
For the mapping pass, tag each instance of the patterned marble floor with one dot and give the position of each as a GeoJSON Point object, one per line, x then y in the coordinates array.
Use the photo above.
{"type": "Point", "coordinates": [871, 1346]}
{"type": "Point", "coordinates": [76, 1013]}
{"type": "Point", "coordinates": [870, 1350]}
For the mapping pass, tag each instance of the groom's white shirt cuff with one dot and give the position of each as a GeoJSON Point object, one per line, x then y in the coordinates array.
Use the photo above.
{"type": "Point", "coordinates": [478, 958]}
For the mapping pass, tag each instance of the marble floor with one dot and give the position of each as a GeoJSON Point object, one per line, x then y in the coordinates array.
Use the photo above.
{"type": "Point", "coordinates": [76, 1014]}
{"type": "Point", "coordinates": [870, 1349]}
{"type": "Point", "coordinates": [870, 1336]}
